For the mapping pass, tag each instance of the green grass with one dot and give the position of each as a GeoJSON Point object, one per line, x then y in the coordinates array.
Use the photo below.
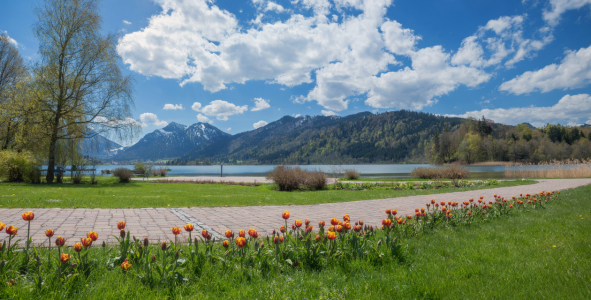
{"type": "Point", "coordinates": [511, 257]}
{"type": "Point", "coordinates": [110, 194]}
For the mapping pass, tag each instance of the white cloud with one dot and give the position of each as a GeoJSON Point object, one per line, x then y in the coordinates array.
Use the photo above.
{"type": "Point", "coordinates": [267, 5]}
{"type": "Point", "coordinates": [222, 109]}
{"type": "Point", "coordinates": [558, 7]}
{"type": "Point", "coordinates": [328, 113]}
{"type": "Point", "coordinates": [507, 40]}
{"type": "Point", "coordinates": [259, 124]}
{"type": "Point", "coordinates": [196, 106]}
{"type": "Point", "coordinates": [196, 41]}
{"type": "Point", "coordinates": [203, 119]}
{"type": "Point", "coordinates": [260, 104]}
{"type": "Point", "coordinates": [574, 71]}
{"type": "Point", "coordinates": [229, 128]}
{"type": "Point", "coordinates": [150, 118]}
{"type": "Point", "coordinates": [13, 41]}
{"type": "Point", "coordinates": [297, 116]}
{"type": "Point", "coordinates": [126, 22]}
{"type": "Point", "coordinates": [173, 106]}
{"type": "Point", "coordinates": [569, 109]}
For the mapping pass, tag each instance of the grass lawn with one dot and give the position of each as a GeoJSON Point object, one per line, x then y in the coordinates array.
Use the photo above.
{"type": "Point", "coordinates": [110, 194]}
{"type": "Point", "coordinates": [532, 254]}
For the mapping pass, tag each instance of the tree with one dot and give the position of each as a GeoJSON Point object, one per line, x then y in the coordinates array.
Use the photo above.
{"type": "Point", "coordinates": [78, 82]}
{"type": "Point", "coordinates": [12, 73]}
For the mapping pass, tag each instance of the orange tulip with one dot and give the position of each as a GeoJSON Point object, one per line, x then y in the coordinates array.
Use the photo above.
{"type": "Point", "coordinates": [253, 233]}
{"type": "Point", "coordinates": [77, 247]}
{"type": "Point", "coordinates": [307, 222]}
{"type": "Point", "coordinates": [285, 215]}
{"type": "Point", "coordinates": [121, 225]}
{"type": "Point", "coordinates": [276, 239]}
{"type": "Point", "coordinates": [443, 208]}
{"type": "Point", "coordinates": [125, 265]}
{"type": "Point", "coordinates": [347, 226]}
{"type": "Point", "coordinates": [28, 216]}
{"type": "Point", "coordinates": [241, 233]}
{"type": "Point", "coordinates": [361, 222]}
{"type": "Point", "coordinates": [240, 242]}
{"type": "Point", "coordinates": [394, 212]}
{"type": "Point", "coordinates": [334, 221]}
{"type": "Point", "coordinates": [409, 217]}
{"type": "Point", "coordinates": [176, 230]}
{"type": "Point", "coordinates": [282, 229]}
{"type": "Point", "coordinates": [11, 230]}
{"type": "Point", "coordinates": [330, 228]}
{"type": "Point", "coordinates": [346, 218]}
{"type": "Point", "coordinates": [65, 257]}
{"type": "Point", "coordinates": [388, 211]}
{"type": "Point", "coordinates": [189, 227]}
{"type": "Point", "coordinates": [226, 244]}
{"type": "Point", "coordinates": [357, 228]}
{"type": "Point", "coordinates": [321, 224]}
{"type": "Point", "coordinates": [298, 223]}
{"type": "Point", "coordinates": [49, 232]}
{"type": "Point", "coordinates": [204, 233]}
{"type": "Point", "coordinates": [318, 238]}
{"type": "Point", "coordinates": [386, 222]}
{"type": "Point", "coordinates": [163, 246]}
{"type": "Point", "coordinates": [86, 242]}
{"type": "Point", "coordinates": [122, 233]}
{"type": "Point", "coordinates": [331, 235]}
{"type": "Point", "coordinates": [2, 225]}
{"type": "Point", "coordinates": [229, 234]}
{"type": "Point", "coordinates": [432, 201]}
{"type": "Point", "coordinates": [92, 235]}
{"type": "Point", "coordinates": [60, 241]}
{"type": "Point", "coordinates": [339, 228]}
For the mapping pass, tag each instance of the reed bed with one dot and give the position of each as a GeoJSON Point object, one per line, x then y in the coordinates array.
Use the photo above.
{"type": "Point", "coordinates": [553, 169]}
{"type": "Point", "coordinates": [207, 182]}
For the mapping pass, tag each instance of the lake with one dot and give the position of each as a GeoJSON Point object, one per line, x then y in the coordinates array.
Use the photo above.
{"type": "Point", "coordinates": [370, 171]}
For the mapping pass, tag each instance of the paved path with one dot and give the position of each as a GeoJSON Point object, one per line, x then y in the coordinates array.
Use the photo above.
{"type": "Point", "coordinates": [156, 223]}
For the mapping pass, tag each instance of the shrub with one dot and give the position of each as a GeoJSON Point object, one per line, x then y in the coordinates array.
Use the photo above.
{"type": "Point", "coordinates": [19, 167]}
{"type": "Point", "coordinates": [351, 174]}
{"type": "Point", "coordinates": [160, 171]}
{"type": "Point", "coordinates": [314, 180]}
{"type": "Point", "coordinates": [450, 172]}
{"type": "Point", "coordinates": [290, 178]}
{"type": "Point", "coordinates": [124, 174]}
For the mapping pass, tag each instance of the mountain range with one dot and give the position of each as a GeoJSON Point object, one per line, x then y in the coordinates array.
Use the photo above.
{"type": "Point", "coordinates": [359, 138]}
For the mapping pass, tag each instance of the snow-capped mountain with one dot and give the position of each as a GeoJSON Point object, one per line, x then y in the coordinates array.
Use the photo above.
{"type": "Point", "coordinates": [171, 141]}
{"type": "Point", "coordinates": [99, 146]}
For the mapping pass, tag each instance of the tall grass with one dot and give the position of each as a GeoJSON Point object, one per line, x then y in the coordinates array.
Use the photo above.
{"type": "Point", "coordinates": [554, 169]}
{"type": "Point", "coordinates": [449, 172]}
{"type": "Point", "coordinates": [290, 178]}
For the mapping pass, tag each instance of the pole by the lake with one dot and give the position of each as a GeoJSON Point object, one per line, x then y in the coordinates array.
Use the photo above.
{"type": "Point", "coordinates": [222, 169]}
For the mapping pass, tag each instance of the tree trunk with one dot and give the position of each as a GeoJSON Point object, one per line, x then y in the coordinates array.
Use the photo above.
{"type": "Point", "coordinates": [52, 145]}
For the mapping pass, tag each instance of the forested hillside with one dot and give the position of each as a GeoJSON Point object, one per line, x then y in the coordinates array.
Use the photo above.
{"type": "Point", "coordinates": [482, 140]}
{"type": "Point", "coordinates": [391, 137]}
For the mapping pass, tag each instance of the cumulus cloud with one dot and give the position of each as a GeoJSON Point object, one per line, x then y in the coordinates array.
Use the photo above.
{"type": "Point", "coordinates": [13, 41]}
{"type": "Point", "coordinates": [152, 119]}
{"type": "Point", "coordinates": [500, 39]}
{"type": "Point", "coordinates": [222, 109]}
{"type": "Point", "coordinates": [266, 5]}
{"type": "Point", "coordinates": [558, 7]}
{"type": "Point", "coordinates": [259, 124]}
{"type": "Point", "coordinates": [196, 41]}
{"type": "Point", "coordinates": [203, 119]}
{"type": "Point", "coordinates": [173, 106]}
{"type": "Point", "coordinates": [196, 106]}
{"type": "Point", "coordinates": [126, 22]}
{"type": "Point", "coordinates": [328, 113]}
{"type": "Point", "coordinates": [573, 109]}
{"type": "Point", "coordinates": [574, 71]}
{"type": "Point", "coordinates": [260, 104]}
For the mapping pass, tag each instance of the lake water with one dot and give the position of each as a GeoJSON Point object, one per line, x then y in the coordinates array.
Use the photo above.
{"type": "Point", "coordinates": [370, 171]}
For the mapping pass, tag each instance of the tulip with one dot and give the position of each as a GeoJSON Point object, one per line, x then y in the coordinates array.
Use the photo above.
{"type": "Point", "coordinates": [253, 233]}
{"type": "Point", "coordinates": [60, 241]}
{"type": "Point", "coordinates": [122, 233]}
{"type": "Point", "coordinates": [318, 238]}
{"type": "Point", "coordinates": [298, 223]}
{"type": "Point", "coordinates": [49, 233]}
{"type": "Point", "coordinates": [121, 225]}
{"type": "Point", "coordinates": [361, 222]}
{"type": "Point", "coordinates": [276, 240]}
{"type": "Point", "coordinates": [11, 230]}
{"type": "Point", "coordinates": [229, 234]}
{"type": "Point", "coordinates": [346, 218]}
{"type": "Point", "coordinates": [387, 222]}
{"type": "Point", "coordinates": [64, 258]}
{"type": "Point", "coordinates": [226, 244]}
{"type": "Point", "coordinates": [443, 208]}
{"type": "Point", "coordinates": [388, 211]}
{"type": "Point", "coordinates": [240, 242]}
{"type": "Point", "coordinates": [86, 242]}
{"type": "Point", "coordinates": [282, 229]}
{"type": "Point", "coordinates": [92, 235]}
{"type": "Point", "coordinates": [394, 212]}
{"type": "Point", "coordinates": [408, 217]}
{"type": "Point", "coordinates": [146, 242]}
{"type": "Point", "coordinates": [241, 233]}
{"type": "Point", "coordinates": [432, 201]}
{"type": "Point", "coordinates": [307, 222]}
{"type": "Point", "coordinates": [331, 235]}
{"type": "Point", "coordinates": [334, 221]}
{"type": "Point", "coordinates": [330, 228]}
{"type": "Point", "coordinates": [347, 226]}
{"type": "Point", "coordinates": [321, 224]}
{"type": "Point", "coordinates": [339, 228]}
{"type": "Point", "coordinates": [163, 246]}
{"type": "Point", "coordinates": [204, 233]}
{"type": "Point", "coordinates": [28, 216]}
{"type": "Point", "coordinates": [176, 230]}
{"type": "Point", "coordinates": [285, 215]}
{"type": "Point", "coordinates": [189, 227]}
{"type": "Point", "coordinates": [77, 247]}
{"type": "Point", "coordinates": [2, 225]}
{"type": "Point", "coordinates": [125, 265]}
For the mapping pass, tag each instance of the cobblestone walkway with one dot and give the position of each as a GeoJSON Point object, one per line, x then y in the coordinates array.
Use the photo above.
{"type": "Point", "coordinates": [156, 223]}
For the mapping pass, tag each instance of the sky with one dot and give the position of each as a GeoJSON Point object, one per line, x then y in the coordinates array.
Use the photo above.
{"type": "Point", "coordinates": [240, 64]}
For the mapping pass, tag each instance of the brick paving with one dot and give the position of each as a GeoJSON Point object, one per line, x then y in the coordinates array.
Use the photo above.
{"type": "Point", "coordinates": [156, 223]}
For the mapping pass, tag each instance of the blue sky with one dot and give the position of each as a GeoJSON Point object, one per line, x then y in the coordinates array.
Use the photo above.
{"type": "Point", "coordinates": [240, 64]}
